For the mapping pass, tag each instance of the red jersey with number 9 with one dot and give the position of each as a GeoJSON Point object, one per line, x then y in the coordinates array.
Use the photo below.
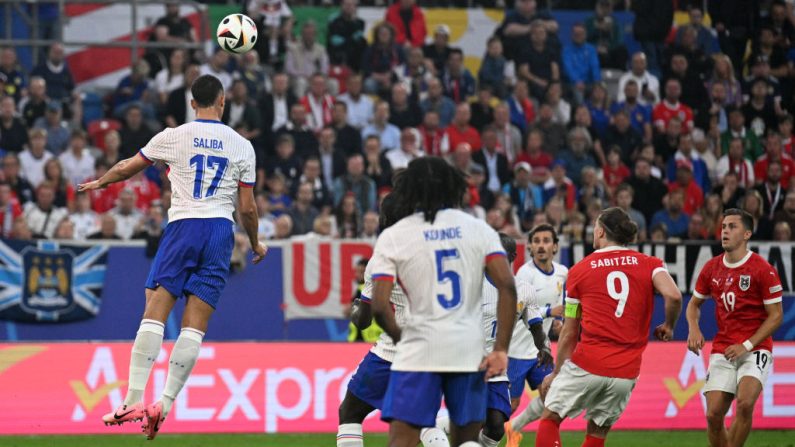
{"type": "Point", "coordinates": [615, 291]}
{"type": "Point", "coordinates": [740, 291]}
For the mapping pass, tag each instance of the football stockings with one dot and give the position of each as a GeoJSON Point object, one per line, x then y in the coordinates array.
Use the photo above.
{"type": "Point", "coordinates": [144, 352]}
{"type": "Point", "coordinates": [183, 357]}
{"type": "Point", "coordinates": [528, 415]}
{"type": "Point", "coordinates": [350, 435]}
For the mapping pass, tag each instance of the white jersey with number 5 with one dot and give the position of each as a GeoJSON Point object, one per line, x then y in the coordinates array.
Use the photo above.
{"type": "Point", "coordinates": [440, 267]}
{"type": "Point", "coordinates": [207, 161]}
{"type": "Point", "coordinates": [550, 290]}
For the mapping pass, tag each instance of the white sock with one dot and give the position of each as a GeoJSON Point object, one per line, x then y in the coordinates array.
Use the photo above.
{"type": "Point", "coordinates": [433, 437]}
{"type": "Point", "coordinates": [485, 441]}
{"type": "Point", "coordinates": [183, 357]}
{"type": "Point", "coordinates": [350, 435]}
{"type": "Point", "coordinates": [144, 353]}
{"type": "Point", "coordinates": [443, 424]}
{"type": "Point", "coordinates": [528, 415]}
{"type": "Point", "coordinates": [470, 444]}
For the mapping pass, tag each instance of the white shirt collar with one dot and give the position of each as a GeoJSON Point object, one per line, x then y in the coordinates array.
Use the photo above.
{"type": "Point", "coordinates": [738, 263]}
{"type": "Point", "coordinates": [611, 248]}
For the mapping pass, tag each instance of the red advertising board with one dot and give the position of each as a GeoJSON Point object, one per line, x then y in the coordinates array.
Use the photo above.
{"type": "Point", "coordinates": [297, 387]}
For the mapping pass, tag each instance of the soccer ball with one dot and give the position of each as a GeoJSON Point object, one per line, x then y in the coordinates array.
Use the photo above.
{"type": "Point", "coordinates": [236, 33]}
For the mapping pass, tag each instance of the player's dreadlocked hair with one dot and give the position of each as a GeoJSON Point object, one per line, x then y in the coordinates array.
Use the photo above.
{"type": "Point", "coordinates": [428, 185]}
{"type": "Point", "coordinates": [390, 213]}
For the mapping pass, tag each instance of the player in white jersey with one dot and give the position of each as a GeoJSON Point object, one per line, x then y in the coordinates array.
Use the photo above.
{"type": "Point", "coordinates": [210, 168]}
{"type": "Point", "coordinates": [548, 279]}
{"type": "Point", "coordinates": [437, 255]}
{"type": "Point", "coordinates": [368, 385]}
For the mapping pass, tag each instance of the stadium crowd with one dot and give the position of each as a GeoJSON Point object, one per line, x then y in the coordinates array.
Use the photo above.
{"type": "Point", "coordinates": [698, 121]}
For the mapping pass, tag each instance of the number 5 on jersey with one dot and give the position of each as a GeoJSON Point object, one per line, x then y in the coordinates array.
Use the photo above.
{"type": "Point", "coordinates": [219, 164]}
{"type": "Point", "coordinates": [443, 276]}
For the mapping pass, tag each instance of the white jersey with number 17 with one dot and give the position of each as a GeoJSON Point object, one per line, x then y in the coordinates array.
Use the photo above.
{"type": "Point", "coordinates": [207, 162]}
{"type": "Point", "coordinates": [440, 267]}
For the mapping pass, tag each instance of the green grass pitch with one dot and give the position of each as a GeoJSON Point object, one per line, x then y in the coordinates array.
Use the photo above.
{"type": "Point", "coordinates": [758, 438]}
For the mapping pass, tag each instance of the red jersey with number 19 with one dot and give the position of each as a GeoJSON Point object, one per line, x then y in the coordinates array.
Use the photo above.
{"type": "Point", "coordinates": [615, 291]}
{"type": "Point", "coordinates": [740, 291]}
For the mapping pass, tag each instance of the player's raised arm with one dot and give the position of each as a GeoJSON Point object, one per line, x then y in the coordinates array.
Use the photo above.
{"type": "Point", "coordinates": [247, 209]}
{"type": "Point", "coordinates": [666, 287]}
{"type": "Point", "coordinates": [499, 271]}
{"type": "Point", "coordinates": [122, 170]}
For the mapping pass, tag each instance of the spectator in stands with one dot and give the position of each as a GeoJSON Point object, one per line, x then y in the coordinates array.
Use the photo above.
{"type": "Point", "coordinates": [698, 60]}
{"type": "Point", "coordinates": [497, 168]}
{"type": "Point", "coordinates": [15, 78]}
{"type": "Point", "coordinates": [126, 215]}
{"type": "Point", "coordinates": [56, 73]}
{"type": "Point", "coordinates": [318, 103]}
{"type": "Point", "coordinates": [652, 25]}
{"type": "Point", "coordinates": [171, 77]}
{"type": "Point", "coordinates": [735, 162]}
{"type": "Point", "coordinates": [760, 71]}
{"type": "Point", "coordinates": [625, 195]}
{"type": "Point", "coordinates": [306, 144]}
{"type": "Point", "coordinates": [134, 133]}
{"type": "Point", "coordinates": [495, 70]}
{"type": "Point", "coordinates": [216, 65]}
{"type": "Point", "coordinates": [302, 212]}
{"type": "Point", "coordinates": [64, 192]}
{"type": "Point", "coordinates": [614, 171]}
{"type": "Point", "coordinates": [580, 62]}
{"type": "Point", "coordinates": [10, 210]}
{"type": "Point", "coordinates": [524, 195]}
{"type": "Point", "coordinates": [460, 131]}
{"type": "Point", "coordinates": [84, 219]}
{"type": "Point", "coordinates": [107, 228]}
{"type": "Point", "coordinates": [241, 112]}
{"type": "Point", "coordinates": [785, 129]}
{"type": "Point", "coordinates": [771, 191]}
{"type": "Point", "coordinates": [403, 110]}
{"type": "Point", "coordinates": [458, 82]}
{"type": "Point", "coordinates": [730, 191]}
{"type": "Point", "coordinates": [516, 26]}
{"type": "Point", "coordinates": [32, 159]}
{"type": "Point", "coordinates": [534, 153]}
{"type": "Point", "coordinates": [560, 186]}
{"type": "Point", "coordinates": [56, 128]}
{"type": "Point", "coordinates": [286, 163]}
{"type": "Point", "coordinates": [508, 135]}
{"type": "Point", "coordinates": [672, 215]}
{"type": "Point", "coordinates": [21, 231]}
{"type": "Point", "coordinates": [271, 14]}
{"type": "Point", "coordinates": [360, 106]}
{"type": "Point", "coordinates": [283, 227]}
{"type": "Point", "coordinates": [765, 49]}
{"type": "Point", "coordinates": [312, 174]}
{"type": "Point", "coordinates": [275, 106]}
{"type": "Point", "coordinates": [579, 153]}
{"type": "Point", "coordinates": [65, 230]}
{"type": "Point", "coordinates": [413, 74]}
{"type": "Point", "coordinates": [536, 63]}
{"type": "Point", "coordinates": [43, 216]}
{"type": "Point", "coordinates": [34, 105]}
{"type": "Point", "coordinates": [560, 107]}
{"type": "Point", "coordinates": [377, 166]}
{"type": "Point", "coordinates": [780, 21]}
{"type": "Point", "coordinates": [133, 88]}
{"type": "Point", "coordinates": [388, 133]}
{"type": "Point", "coordinates": [605, 33]}
{"type": "Point", "coordinates": [13, 133]}
{"type": "Point", "coordinates": [348, 217]}
{"type": "Point", "coordinates": [622, 134]}
{"type": "Point", "coordinates": [639, 114]}
{"type": "Point", "coordinates": [694, 195]}
{"type": "Point", "coordinates": [408, 21]}
{"type": "Point", "coordinates": [714, 110]}
{"type": "Point", "coordinates": [598, 104]}
{"type": "Point", "coordinates": [752, 149]}
{"type": "Point", "coordinates": [178, 109]}
{"type": "Point", "coordinates": [782, 232]}
{"type": "Point", "coordinates": [348, 137]}
{"type": "Point", "coordinates": [369, 226]}
{"type": "Point", "coordinates": [436, 101]}
{"type": "Point", "coordinates": [437, 52]}
{"type": "Point", "coordinates": [522, 110]}
{"type": "Point", "coordinates": [697, 165]}
{"type": "Point", "coordinates": [554, 132]}
{"type": "Point", "coordinates": [461, 158]}
{"type": "Point", "coordinates": [331, 159]}
{"type": "Point", "coordinates": [409, 149]}
{"type": "Point", "coordinates": [20, 187]}
{"type": "Point", "coordinates": [482, 110]}
{"type": "Point", "coordinates": [380, 59]}
{"type": "Point", "coordinates": [591, 189]}
{"type": "Point", "coordinates": [693, 93]}
{"type": "Point", "coordinates": [774, 153]}
{"type": "Point", "coordinates": [112, 145]}
{"type": "Point", "coordinates": [733, 21]}
{"type": "Point", "coordinates": [77, 162]}
{"type": "Point", "coordinates": [253, 74]}
{"type": "Point", "coordinates": [279, 201]}
{"type": "Point", "coordinates": [346, 41]}
{"type": "Point", "coordinates": [723, 73]}
{"type": "Point", "coordinates": [649, 190]}
{"type": "Point", "coordinates": [670, 107]}
{"type": "Point", "coordinates": [754, 205]}
{"type": "Point", "coordinates": [355, 181]}
{"type": "Point", "coordinates": [760, 113]}
{"type": "Point", "coordinates": [785, 215]}
{"type": "Point", "coordinates": [266, 226]}
{"type": "Point", "coordinates": [705, 37]}
{"type": "Point", "coordinates": [173, 29]}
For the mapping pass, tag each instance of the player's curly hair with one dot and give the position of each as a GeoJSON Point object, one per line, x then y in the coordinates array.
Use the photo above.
{"type": "Point", "coordinates": [428, 185]}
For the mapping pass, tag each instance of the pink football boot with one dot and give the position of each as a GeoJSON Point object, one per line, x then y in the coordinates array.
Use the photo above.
{"type": "Point", "coordinates": [154, 419]}
{"type": "Point", "coordinates": [125, 413]}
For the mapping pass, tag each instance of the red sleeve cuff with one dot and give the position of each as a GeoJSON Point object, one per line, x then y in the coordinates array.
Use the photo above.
{"type": "Point", "coordinates": [496, 254]}
{"type": "Point", "coordinates": [245, 185]}
{"type": "Point", "coordinates": [383, 277]}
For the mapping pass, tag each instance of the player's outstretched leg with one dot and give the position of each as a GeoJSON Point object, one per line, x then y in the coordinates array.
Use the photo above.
{"type": "Point", "coordinates": [352, 413]}
{"type": "Point", "coordinates": [145, 349]}
{"type": "Point", "coordinates": [748, 391]}
{"type": "Point", "coordinates": [513, 428]}
{"type": "Point", "coordinates": [718, 404]}
{"type": "Point", "coordinates": [548, 434]}
{"type": "Point", "coordinates": [180, 364]}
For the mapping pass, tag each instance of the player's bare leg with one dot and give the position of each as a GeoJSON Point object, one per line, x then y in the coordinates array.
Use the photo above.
{"type": "Point", "coordinates": [595, 435]}
{"type": "Point", "coordinates": [748, 391]}
{"type": "Point", "coordinates": [352, 413]}
{"type": "Point", "coordinates": [180, 364]}
{"type": "Point", "coordinates": [718, 404]}
{"type": "Point", "coordinates": [460, 434]}
{"type": "Point", "coordinates": [145, 349]}
{"type": "Point", "coordinates": [548, 434]}
{"type": "Point", "coordinates": [402, 434]}
{"type": "Point", "coordinates": [494, 428]}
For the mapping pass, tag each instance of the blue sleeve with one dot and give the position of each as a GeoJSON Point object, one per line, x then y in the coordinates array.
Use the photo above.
{"type": "Point", "coordinates": [371, 195]}
{"type": "Point", "coordinates": [538, 197]}
{"type": "Point", "coordinates": [670, 169]}
{"type": "Point", "coordinates": [568, 66]}
{"type": "Point", "coordinates": [596, 72]}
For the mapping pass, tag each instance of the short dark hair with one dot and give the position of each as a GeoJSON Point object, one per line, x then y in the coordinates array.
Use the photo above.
{"type": "Point", "coordinates": [745, 217]}
{"type": "Point", "coordinates": [509, 245]}
{"type": "Point", "coordinates": [363, 262]}
{"type": "Point", "coordinates": [206, 89]}
{"type": "Point", "coordinates": [542, 228]}
{"type": "Point", "coordinates": [618, 226]}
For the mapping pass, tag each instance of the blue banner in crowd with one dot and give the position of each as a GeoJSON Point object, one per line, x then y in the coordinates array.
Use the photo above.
{"type": "Point", "coordinates": [48, 282]}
